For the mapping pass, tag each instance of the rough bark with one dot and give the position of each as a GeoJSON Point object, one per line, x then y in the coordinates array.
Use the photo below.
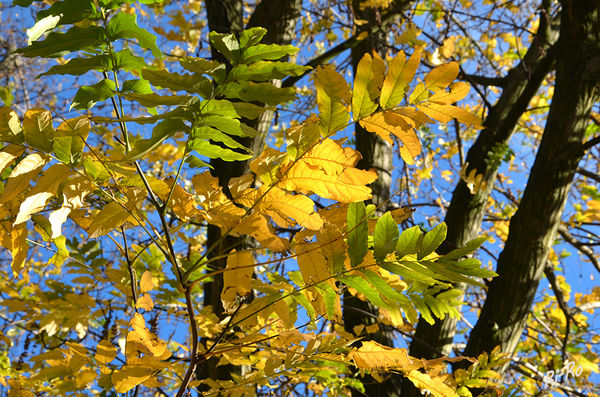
{"type": "Point", "coordinates": [225, 16]}
{"type": "Point", "coordinates": [534, 225]}
{"type": "Point", "coordinates": [466, 210]}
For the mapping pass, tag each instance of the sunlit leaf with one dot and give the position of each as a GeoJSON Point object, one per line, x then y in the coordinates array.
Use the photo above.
{"type": "Point", "coordinates": [367, 85]}
{"type": "Point", "coordinates": [333, 98]}
{"type": "Point", "coordinates": [401, 72]}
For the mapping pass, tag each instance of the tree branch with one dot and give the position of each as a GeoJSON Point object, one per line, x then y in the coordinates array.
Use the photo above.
{"type": "Point", "coordinates": [587, 251]}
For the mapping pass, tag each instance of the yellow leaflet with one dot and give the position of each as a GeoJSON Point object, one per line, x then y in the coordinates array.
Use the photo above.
{"type": "Point", "coordinates": [283, 311]}
{"type": "Point", "coordinates": [85, 377]}
{"type": "Point", "coordinates": [328, 170]}
{"type": "Point", "coordinates": [445, 113]}
{"type": "Point", "coordinates": [399, 76]}
{"type": "Point", "coordinates": [74, 192]}
{"type": "Point", "coordinates": [14, 239]}
{"type": "Point", "coordinates": [146, 283]}
{"type": "Point", "coordinates": [141, 340]}
{"type": "Point", "coordinates": [182, 203]}
{"type": "Point", "coordinates": [441, 76]}
{"type": "Point", "coordinates": [22, 174]}
{"type": "Point", "coordinates": [435, 386]}
{"type": "Point", "coordinates": [9, 154]}
{"type": "Point", "coordinates": [105, 352]}
{"type": "Point", "coordinates": [145, 302]}
{"type": "Point", "coordinates": [385, 123]}
{"type": "Point", "coordinates": [458, 91]}
{"type": "Point", "coordinates": [367, 85]}
{"type": "Point", "coordinates": [302, 137]}
{"type": "Point", "coordinates": [38, 129]}
{"type": "Point", "coordinates": [45, 188]}
{"type": "Point", "coordinates": [256, 225]}
{"type": "Point", "coordinates": [333, 94]}
{"type": "Point", "coordinates": [78, 126]}
{"type": "Point", "coordinates": [313, 265]}
{"type": "Point", "coordinates": [237, 277]}
{"type": "Point", "coordinates": [285, 208]}
{"type": "Point", "coordinates": [374, 4]}
{"type": "Point", "coordinates": [112, 216]}
{"type": "Point", "coordinates": [129, 376]}
{"type": "Point", "coordinates": [374, 356]}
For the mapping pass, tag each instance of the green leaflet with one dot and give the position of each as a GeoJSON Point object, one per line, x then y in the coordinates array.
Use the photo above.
{"type": "Point", "coordinates": [333, 95]}
{"type": "Point", "coordinates": [265, 71]}
{"type": "Point", "coordinates": [421, 273]}
{"type": "Point", "coordinates": [330, 297]}
{"type": "Point", "coordinates": [230, 109]}
{"type": "Point", "coordinates": [177, 113]}
{"type": "Point", "coordinates": [38, 129]}
{"type": "Point", "coordinates": [432, 240]}
{"type": "Point", "coordinates": [190, 83]}
{"type": "Point", "coordinates": [251, 37]}
{"type": "Point", "coordinates": [205, 148]}
{"type": "Point", "coordinates": [60, 44]}
{"type": "Point", "coordinates": [383, 287]}
{"type": "Point", "coordinates": [422, 307]}
{"type": "Point", "coordinates": [124, 60]}
{"type": "Point", "coordinates": [471, 246]}
{"type": "Point", "coordinates": [152, 100]}
{"type": "Point", "coordinates": [95, 170]}
{"type": "Point", "coordinates": [229, 125]}
{"type": "Point", "coordinates": [205, 132]}
{"type": "Point", "coordinates": [362, 286]}
{"type": "Point", "coordinates": [227, 45]}
{"type": "Point", "coordinates": [124, 26]}
{"type": "Point", "coordinates": [136, 86]}
{"type": "Point", "coordinates": [163, 130]}
{"type": "Point", "coordinates": [385, 236]}
{"type": "Point", "coordinates": [195, 162]}
{"type": "Point", "coordinates": [259, 92]}
{"type": "Point", "coordinates": [88, 96]}
{"type": "Point", "coordinates": [262, 52]}
{"type": "Point", "coordinates": [358, 232]}
{"type": "Point", "coordinates": [202, 66]}
{"type": "Point", "coordinates": [409, 242]}
{"type": "Point", "coordinates": [445, 274]}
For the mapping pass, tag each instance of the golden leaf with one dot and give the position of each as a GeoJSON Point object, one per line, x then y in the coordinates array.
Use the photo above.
{"type": "Point", "coordinates": [14, 239]}
{"type": "Point", "coordinates": [105, 352]}
{"type": "Point", "coordinates": [441, 76]}
{"type": "Point", "coordinates": [145, 302]}
{"type": "Point", "coordinates": [45, 188]}
{"type": "Point", "coordinates": [374, 356]}
{"type": "Point", "coordinates": [445, 113]}
{"type": "Point", "coordinates": [74, 192]}
{"type": "Point", "coordinates": [285, 208]}
{"type": "Point", "coordinates": [458, 91]}
{"type": "Point", "coordinates": [385, 123]}
{"type": "Point", "coordinates": [399, 76]}
{"type": "Point", "coordinates": [146, 283]}
{"type": "Point", "coordinates": [433, 385]}
{"type": "Point", "coordinates": [129, 377]}
{"type": "Point", "coordinates": [237, 277]}
{"type": "Point", "coordinates": [22, 174]}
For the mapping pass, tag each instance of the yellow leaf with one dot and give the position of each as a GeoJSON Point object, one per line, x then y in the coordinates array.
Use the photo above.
{"type": "Point", "coordinates": [14, 239]}
{"type": "Point", "coordinates": [399, 76]}
{"type": "Point", "coordinates": [256, 225]}
{"type": "Point", "coordinates": [302, 137]}
{"type": "Point", "coordinates": [84, 378]}
{"type": "Point", "coordinates": [313, 265]}
{"type": "Point", "coordinates": [367, 85]}
{"type": "Point", "coordinates": [237, 277]}
{"type": "Point", "coordinates": [182, 203]}
{"type": "Point", "coordinates": [445, 113]}
{"type": "Point", "coordinates": [22, 174]}
{"type": "Point", "coordinates": [441, 76]}
{"type": "Point", "coordinates": [10, 126]}
{"type": "Point", "coordinates": [283, 311]}
{"type": "Point", "coordinates": [141, 340]}
{"type": "Point", "coordinates": [105, 352]}
{"type": "Point", "coordinates": [129, 377]}
{"type": "Point", "coordinates": [74, 192]}
{"type": "Point", "coordinates": [285, 208]}
{"type": "Point", "coordinates": [328, 170]}
{"type": "Point", "coordinates": [45, 188]}
{"type": "Point", "coordinates": [385, 123]}
{"type": "Point", "coordinates": [458, 91]}
{"type": "Point", "coordinates": [374, 356]}
{"type": "Point", "coordinates": [333, 94]}
{"type": "Point", "coordinates": [146, 283]}
{"type": "Point", "coordinates": [435, 386]}
{"type": "Point", "coordinates": [113, 215]}
{"type": "Point", "coordinates": [145, 302]}
{"type": "Point", "coordinates": [38, 129]}
{"type": "Point", "coordinates": [9, 154]}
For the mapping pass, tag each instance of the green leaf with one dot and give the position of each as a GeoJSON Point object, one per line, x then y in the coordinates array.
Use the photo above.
{"type": "Point", "coordinates": [330, 297]}
{"type": "Point", "coordinates": [95, 170]}
{"type": "Point", "coordinates": [470, 247]}
{"type": "Point", "coordinates": [362, 286]}
{"type": "Point", "coordinates": [409, 242]}
{"type": "Point", "coordinates": [123, 60]}
{"type": "Point", "coordinates": [227, 45]}
{"type": "Point", "coordinates": [205, 132]}
{"type": "Point", "coordinates": [42, 26]}
{"type": "Point", "coordinates": [419, 273]}
{"type": "Point", "coordinates": [259, 92]}
{"type": "Point", "coordinates": [60, 44]}
{"type": "Point", "coordinates": [163, 130]}
{"type": "Point", "coordinates": [384, 288]}
{"type": "Point", "coordinates": [385, 236]}
{"type": "Point", "coordinates": [136, 86]}
{"type": "Point", "coordinates": [358, 232]}
{"type": "Point", "coordinates": [444, 273]}
{"type": "Point", "coordinates": [251, 37]}
{"type": "Point", "coordinates": [205, 148]}
{"type": "Point", "coordinates": [332, 96]}
{"type": "Point", "coordinates": [152, 100]}
{"type": "Point", "coordinates": [265, 71]}
{"type": "Point", "coordinates": [38, 129]}
{"type": "Point", "coordinates": [88, 96]}
{"type": "Point", "coordinates": [193, 84]}
{"type": "Point", "coordinates": [195, 162]}
{"type": "Point", "coordinates": [367, 85]}
{"type": "Point", "coordinates": [229, 125]}
{"type": "Point", "coordinates": [177, 113]}
{"type": "Point", "coordinates": [263, 52]}
{"type": "Point", "coordinates": [71, 11]}
{"type": "Point", "coordinates": [202, 66]}
{"type": "Point", "coordinates": [432, 240]}
{"type": "Point", "coordinates": [124, 26]}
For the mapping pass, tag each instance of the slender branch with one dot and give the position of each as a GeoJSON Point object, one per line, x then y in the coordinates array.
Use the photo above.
{"type": "Point", "coordinates": [587, 251]}
{"type": "Point", "coordinates": [131, 270]}
{"type": "Point", "coordinates": [194, 352]}
{"type": "Point", "coordinates": [588, 174]}
{"type": "Point", "coordinates": [591, 143]}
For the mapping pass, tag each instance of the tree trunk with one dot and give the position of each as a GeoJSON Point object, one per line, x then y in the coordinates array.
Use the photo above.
{"type": "Point", "coordinates": [533, 227]}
